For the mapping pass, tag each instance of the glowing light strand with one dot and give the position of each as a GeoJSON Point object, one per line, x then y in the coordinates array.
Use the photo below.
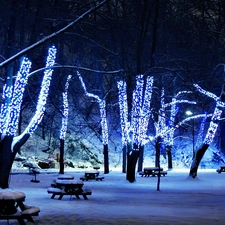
{"type": "Point", "coordinates": [5, 109]}
{"type": "Point", "coordinates": [102, 108]}
{"type": "Point", "coordinates": [43, 93]}
{"type": "Point", "coordinates": [216, 114]}
{"type": "Point", "coordinates": [136, 109]}
{"type": "Point", "coordinates": [122, 91]}
{"type": "Point", "coordinates": [201, 132]}
{"type": "Point", "coordinates": [65, 110]}
{"type": "Point", "coordinates": [145, 110]}
{"type": "Point", "coordinates": [17, 96]}
{"type": "Point", "coordinates": [213, 125]}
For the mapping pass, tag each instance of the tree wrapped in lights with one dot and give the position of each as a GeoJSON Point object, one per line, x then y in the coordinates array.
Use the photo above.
{"type": "Point", "coordinates": [63, 129]}
{"type": "Point", "coordinates": [134, 131]}
{"type": "Point", "coordinates": [219, 108]}
{"type": "Point", "coordinates": [10, 110]}
{"type": "Point", "coordinates": [104, 126]}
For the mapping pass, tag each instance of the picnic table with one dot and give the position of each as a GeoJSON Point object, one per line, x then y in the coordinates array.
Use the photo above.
{"type": "Point", "coordinates": [92, 175]}
{"type": "Point", "coordinates": [221, 169]}
{"type": "Point", "coordinates": [12, 207]}
{"type": "Point", "coordinates": [70, 187]}
{"type": "Point", "coordinates": [152, 171]}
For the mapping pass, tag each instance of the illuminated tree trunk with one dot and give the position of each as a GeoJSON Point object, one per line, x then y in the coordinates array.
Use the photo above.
{"type": "Point", "coordinates": [199, 152]}
{"type": "Point", "coordinates": [9, 116]}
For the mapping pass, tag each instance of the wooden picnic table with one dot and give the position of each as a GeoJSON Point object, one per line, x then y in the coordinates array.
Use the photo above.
{"type": "Point", "coordinates": [92, 175]}
{"type": "Point", "coordinates": [152, 171]}
{"type": "Point", "coordinates": [12, 207]}
{"type": "Point", "coordinates": [68, 187]}
{"type": "Point", "coordinates": [221, 169]}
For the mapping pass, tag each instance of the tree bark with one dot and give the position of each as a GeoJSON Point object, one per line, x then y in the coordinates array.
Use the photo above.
{"type": "Point", "coordinates": [61, 157]}
{"type": "Point", "coordinates": [124, 163]}
{"type": "Point", "coordinates": [169, 155]}
{"type": "Point", "coordinates": [140, 159]}
{"type": "Point", "coordinates": [198, 154]}
{"type": "Point", "coordinates": [106, 159]}
{"type": "Point", "coordinates": [132, 158]}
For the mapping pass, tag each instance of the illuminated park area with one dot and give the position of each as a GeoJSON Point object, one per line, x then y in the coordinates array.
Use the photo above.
{"type": "Point", "coordinates": [112, 112]}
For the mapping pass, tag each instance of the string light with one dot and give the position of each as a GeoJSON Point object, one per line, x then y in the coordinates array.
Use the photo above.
{"type": "Point", "coordinates": [65, 110]}
{"type": "Point", "coordinates": [136, 108]}
{"type": "Point", "coordinates": [122, 89]}
{"type": "Point", "coordinates": [102, 108]}
{"type": "Point", "coordinates": [10, 112]}
{"type": "Point", "coordinates": [43, 93]}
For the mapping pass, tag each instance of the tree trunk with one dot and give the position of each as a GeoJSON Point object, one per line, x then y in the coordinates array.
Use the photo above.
{"type": "Point", "coordinates": [7, 157]}
{"type": "Point", "coordinates": [157, 162]}
{"type": "Point", "coordinates": [198, 154]}
{"type": "Point", "coordinates": [124, 159]}
{"type": "Point", "coordinates": [169, 155]}
{"type": "Point", "coordinates": [141, 158]}
{"type": "Point", "coordinates": [132, 158]}
{"type": "Point", "coordinates": [106, 159]}
{"type": "Point", "coordinates": [61, 157]}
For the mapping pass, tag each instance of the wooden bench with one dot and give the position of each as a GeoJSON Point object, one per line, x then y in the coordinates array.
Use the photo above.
{"type": "Point", "coordinates": [98, 178]}
{"type": "Point", "coordinates": [20, 216]}
{"type": "Point", "coordinates": [57, 191]}
{"type": "Point", "coordinates": [153, 174]}
{"type": "Point", "coordinates": [162, 173]}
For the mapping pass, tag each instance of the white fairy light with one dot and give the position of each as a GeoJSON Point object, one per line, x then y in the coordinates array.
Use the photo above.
{"type": "Point", "coordinates": [145, 110]}
{"type": "Point", "coordinates": [102, 108]}
{"type": "Point", "coordinates": [43, 93]}
{"type": "Point", "coordinates": [122, 89]}
{"type": "Point", "coordinates": [14, 94]}
{"type": "Point", "coordinates": [65, 110]}
{"type": "Point", "coordinates": [136, 109]}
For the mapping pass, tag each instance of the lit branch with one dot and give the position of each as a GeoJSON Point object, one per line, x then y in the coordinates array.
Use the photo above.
{"type": "Point", "coordinates": [122, 87]}
{"type": "Point", "coordinates": [43, 93]}
{"type": "Point", "coordinates": [65, 110]}
{"type": "Point", "coordinates": [10, 111]}
{"type": "Point", "coordinates": [102, 111]}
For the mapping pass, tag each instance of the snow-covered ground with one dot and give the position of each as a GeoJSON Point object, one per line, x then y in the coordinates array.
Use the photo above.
{"type": "Point", "coordinates": [181, 200]}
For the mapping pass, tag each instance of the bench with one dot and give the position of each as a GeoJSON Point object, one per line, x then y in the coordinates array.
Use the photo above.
{"type": "Point", "coordinates": [153, 174]}
{"type": "Point", "coordinates": [98, 178]}
{"type": "Point", "coordinates": [162, 173]}
{"type": "Point", "coordinates": [57, 191]}
{"type": "Point", "coordinates": [20, 216]}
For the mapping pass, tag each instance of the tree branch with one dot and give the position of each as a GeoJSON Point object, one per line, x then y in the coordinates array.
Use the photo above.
{"type": "Point", "coordinates": [51, 35]}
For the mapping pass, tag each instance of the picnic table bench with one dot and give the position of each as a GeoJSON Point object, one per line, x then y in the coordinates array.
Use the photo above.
{"type": "Point", "coordinates": [13, 208]}
{"type": "Point", "coordinates": [92, 175]}
{"type": "Point", "coordinates": [152, 171]}
{"type": "Point", "coordinates": [221, 169]}
{"type": "Point", "coordinates": [68, 187]}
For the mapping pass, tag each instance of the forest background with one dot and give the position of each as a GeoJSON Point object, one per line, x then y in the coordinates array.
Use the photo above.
{"type": "Point", "coordinates": [177, 42]}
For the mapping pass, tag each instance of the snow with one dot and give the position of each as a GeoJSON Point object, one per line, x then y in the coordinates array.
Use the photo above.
{"type": "Point", "coordinates": [181, 200]}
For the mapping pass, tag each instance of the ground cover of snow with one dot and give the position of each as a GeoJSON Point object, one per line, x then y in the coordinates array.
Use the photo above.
{"type": "Point", "coordinates": [181, 200]}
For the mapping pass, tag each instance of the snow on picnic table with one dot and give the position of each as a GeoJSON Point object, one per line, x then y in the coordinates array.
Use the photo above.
{"type": "Point", "coordinates": [181, 200]}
